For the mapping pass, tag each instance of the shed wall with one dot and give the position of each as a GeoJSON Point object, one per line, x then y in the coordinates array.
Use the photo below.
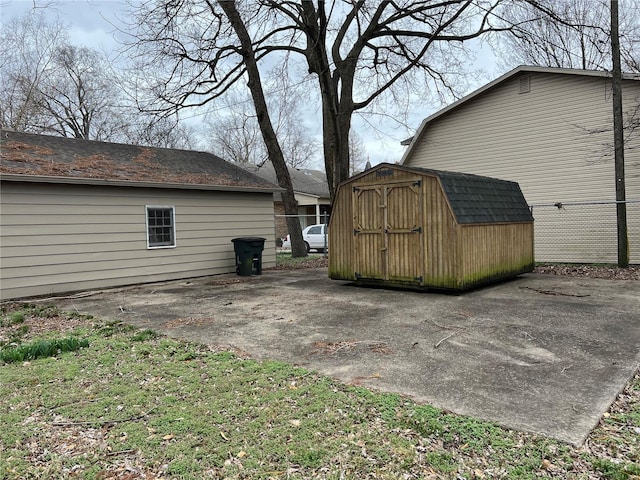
{"type": "Point", "coordinates": [553, 141]}
{"type": "Point", "coordinates": [495, 251]}
{"type": "Point", "coordinates": [340, 237]}
{"type": "Point", "coordinates": [58, 238]}
{"type": "Point", "coordinates": [440, 237]}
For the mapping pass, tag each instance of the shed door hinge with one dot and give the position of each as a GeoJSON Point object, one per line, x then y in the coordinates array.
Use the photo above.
{"type": "Point", "coordinates": [417, 183]}
{"type": "Point", "coordinates": [417, 230]}
{"type": "Point", "coordinates": [356, 231]}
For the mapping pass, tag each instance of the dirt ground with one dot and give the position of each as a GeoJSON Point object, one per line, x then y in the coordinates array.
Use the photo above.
{"type": "Point", "coordinates": [540, 353]}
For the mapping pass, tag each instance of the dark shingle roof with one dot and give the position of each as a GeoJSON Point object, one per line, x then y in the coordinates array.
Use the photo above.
{"type": "Point", "coordinates": [312, 182]}
{"type": "Point", "coordinates": [478, 199]}
{"type": "Point", "coordinates": [47, 156]}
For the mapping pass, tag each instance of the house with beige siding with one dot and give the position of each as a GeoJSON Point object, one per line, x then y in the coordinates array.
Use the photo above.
{"type": "Point", "coordinates": [79, 214]}
{"type": "Point", "coordinates": [550, 130]}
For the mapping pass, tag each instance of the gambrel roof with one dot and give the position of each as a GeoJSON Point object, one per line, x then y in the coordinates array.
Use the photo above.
{"type": "Point", "coordinates": [26, 156]}
{"type": "Point", "coordinates": [476, 199]}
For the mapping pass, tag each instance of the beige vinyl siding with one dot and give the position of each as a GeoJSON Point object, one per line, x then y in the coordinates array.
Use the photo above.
{"type": "Point", "coordinates": [58, 238]}
{"type": "Point", "coordinates": [552, 142]}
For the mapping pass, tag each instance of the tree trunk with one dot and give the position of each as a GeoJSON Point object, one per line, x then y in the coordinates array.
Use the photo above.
{"type": "Point", "coordinates": [266, 127]}
{"type": "Point", "coordinates": [335, 137]}
{"type": "Point", "coordinates": [336, 110]}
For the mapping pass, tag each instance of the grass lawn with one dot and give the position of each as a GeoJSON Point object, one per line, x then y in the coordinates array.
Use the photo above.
{"type": "Point", "coordinates": [133, 404]}
{"type": "Point", "coordinates": [284, 261]}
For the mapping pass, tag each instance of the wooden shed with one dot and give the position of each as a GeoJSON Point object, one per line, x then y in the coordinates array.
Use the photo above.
{"type": "Point", "coordinates": [428, 229]}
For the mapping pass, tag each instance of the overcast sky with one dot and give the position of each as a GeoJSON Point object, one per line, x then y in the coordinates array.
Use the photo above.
{"type": "Point", "coordinates": [92, 24]}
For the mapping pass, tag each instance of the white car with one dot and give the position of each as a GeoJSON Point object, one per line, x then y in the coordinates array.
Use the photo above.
{"type": "Point", "coordinates": [314, 236]}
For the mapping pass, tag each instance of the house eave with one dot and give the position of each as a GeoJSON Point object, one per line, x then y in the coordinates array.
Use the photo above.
{"type": "Point", "coordinates": [11, 177]}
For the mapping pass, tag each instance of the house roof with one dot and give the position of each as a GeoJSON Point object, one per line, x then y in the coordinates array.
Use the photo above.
{"type": "Point", "coordinates": [307, 181]}
{"type": "Point", "coordinates": [512, 73]}
{"type": "Point", "coordinates": [474, 198]}
{"type": "Point", "coordinates": [31, 157]}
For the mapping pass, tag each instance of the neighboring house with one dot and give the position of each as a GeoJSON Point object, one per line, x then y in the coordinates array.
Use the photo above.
{"type": "Point", "coordinates": [550, 130]}
{"type": "Point", "coordinates": [311, 191]}
{"type": "Point", "coordinates": [80, 214]}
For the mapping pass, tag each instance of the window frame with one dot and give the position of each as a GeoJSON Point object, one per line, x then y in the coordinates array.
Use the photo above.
{"type": "Point", "coordinates": [156, 246]}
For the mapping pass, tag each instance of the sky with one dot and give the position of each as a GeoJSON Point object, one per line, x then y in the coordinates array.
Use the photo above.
{"type": "Point", "coordinates": [93, 24]}
{"type": "Point", "coordinates": [90, 21]}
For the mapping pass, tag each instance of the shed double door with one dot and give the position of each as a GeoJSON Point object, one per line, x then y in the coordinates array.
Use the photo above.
{"type": "Point", "coordinates": [388, 231]}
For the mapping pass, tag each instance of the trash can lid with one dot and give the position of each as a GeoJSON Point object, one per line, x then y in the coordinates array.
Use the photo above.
{"type": "Point", "coordinates": [249, 239]}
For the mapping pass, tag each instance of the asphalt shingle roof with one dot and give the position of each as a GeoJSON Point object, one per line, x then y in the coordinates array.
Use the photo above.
{"type": "Point", "coordinates": [478, 199]}
{"type": "Point", "coordinates": [49, 156]}
{"type": "Point", "coordinates": [312, 182]}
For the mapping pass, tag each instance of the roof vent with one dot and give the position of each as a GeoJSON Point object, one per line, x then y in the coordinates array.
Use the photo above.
{"type": "Point", "coordinates": [525, 84]}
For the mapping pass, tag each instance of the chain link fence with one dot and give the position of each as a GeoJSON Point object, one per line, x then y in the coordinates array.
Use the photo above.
{"type": "Point", "coordinates": [583, 232]}
{"type": "Point", "coordinates": [574, 232]}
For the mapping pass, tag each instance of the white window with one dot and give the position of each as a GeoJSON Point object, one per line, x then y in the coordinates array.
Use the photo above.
{"type": "Point", "coordinates": [161, 227]}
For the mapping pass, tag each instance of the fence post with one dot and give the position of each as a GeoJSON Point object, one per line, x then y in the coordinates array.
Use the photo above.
{"type": "Point", "coordinates": [326, 232]}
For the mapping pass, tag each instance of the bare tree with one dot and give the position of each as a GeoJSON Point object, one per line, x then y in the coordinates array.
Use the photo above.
{"type": "Point", "coordinates": [618, 140]}
{"type": "Point", "coordinates": [28, 46]}
{"type": "Point", "coordinates": [357, 154]}
{"type": "Point", "coordinates": [234, 133]}
{"type": "Point", "coordinates": [161, 132]}
{"type": "Point", "coordinates": [51, 86]}
{"type": "Point", "coordinates": [250, 61]}
{"type": "Point", "coordinates": [78, 99]}
{"type": "Point", "coordinates": [573, 34]}
{"type": "Point", "coordinates": [355, 52]}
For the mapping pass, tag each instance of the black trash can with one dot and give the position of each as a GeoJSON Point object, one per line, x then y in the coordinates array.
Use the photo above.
{"type": "Point", "coordinates": [248, 255]}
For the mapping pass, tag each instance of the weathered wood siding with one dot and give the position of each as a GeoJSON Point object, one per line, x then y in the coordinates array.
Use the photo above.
{"type": "Point", "coordinates": [363, 209]}
{"type": "Point", "coordinates": [554, 140]}
{"type": "Point", "coordinates": [341, 238]}
{"type": "Point", "coordinates": [440, 237]}
{"type": "Point", "coordinates": [427, 255]}
{"type": "Point", "coordinates": [58, 238]}
{"type": "Point", "coordinates": [494, 251]}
